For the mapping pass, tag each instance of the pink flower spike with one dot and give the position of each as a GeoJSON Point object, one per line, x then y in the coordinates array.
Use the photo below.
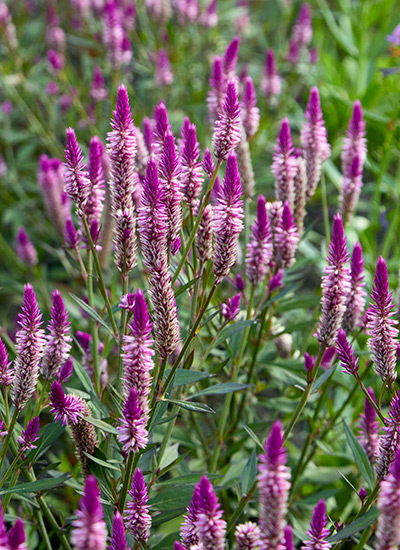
{"type": "Point", "coordinates": [77, 185]}
{"type": "Point", "coordinates": [227, 127]}
{"type": "Point", "coordinates": [89, 531]}
{"type": "Point", "coordinates": [137, 517]}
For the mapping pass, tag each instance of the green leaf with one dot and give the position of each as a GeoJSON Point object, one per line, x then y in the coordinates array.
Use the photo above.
{"type": "Point", "coordinates": [358, 525]}
{"type": "Point", "coordinates": [359, 455]}
{"type": "Point", "coordinates": [172, 498]}
{"type": "Point", "coordinates": [321, 379]}
{"type": "Point", "coordinates": [253, 437]}
{"type": "Point", "coordinates": [185, 287]}
{"type": "Point", "coordinates": [91, 312]}
{"type": "Point", "coordinates": [222, 389]}
{"type": "Point", "coordinates": [191, 406]}
{"type": "Point", "coordinates": [232, 329]}
{"type": "Point", "coordinates": [35, 486]}
{"type": "Point", "coordinates": [185, 377]}
{"type": "Point", "coordinates": [102, 463]}
{"type": "Point", "coordinates": [101, 425]}
{"type": "Point", "coordinates": [49, 434]}
{"type": "Point", "coordinates": [249, 473]}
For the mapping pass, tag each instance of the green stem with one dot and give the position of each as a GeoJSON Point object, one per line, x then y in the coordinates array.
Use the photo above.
{"type": "Point", "coordinates": [42, 396]}
{"type": "Point", "coordinates": [240, 507]}
{"type": "Point", "coordinates": [325, 209]}
{"type": "Point", "coordinates": [93, 327]}
{"type": "Point", "coordinates": [125, 287]}
{"type": "Point", "coordinates": [43, 530]}
{"type": "Point", "coordinates": [374, 405]}
{"type": "Point", "coordinates": [7, 440]}
{"type": "Point", "coordinates": [10, 469]}
{"type": "Point", "coordinates": [196, 224]}
{"type": "Point", "coordinates": [12, 483]}
{"type": "Point", "coordinates": [7, 408]}
{"type": "Point", "coordinates": [127, 480]}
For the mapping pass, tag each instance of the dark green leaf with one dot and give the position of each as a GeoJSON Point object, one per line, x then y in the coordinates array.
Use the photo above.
{"type": "Point", "coordinates": [321, 379]}
{"type": "Point", "coordinates": [172, 498]}
{"type": "Point", "coordinates": [358, 525]}
{"type": "Point", "coordinates": [185, 287]}
{"type": "Point", "coordinates": [232, 329]}
{"type": "Point", "coordinates": [253, 437]}
{"type": "Point", "coordinates": [101, 425]}
{"type": "Point", "coordinates": [91, 312]}
{"type": "Point", "coordinates": [222, 389]}
{"type": "Point", "coordinates": [191, 406]}
{"type": "Point", "coordinates": [249, 473]}
{"type": "Point", "coordinates": [103, 463]}
{"type": "Point", "coordinates": [186, 377]}
{"type": "Point", "coordinates": [34, 486]}
{"type": "Point", "coordinates": [359, 455]}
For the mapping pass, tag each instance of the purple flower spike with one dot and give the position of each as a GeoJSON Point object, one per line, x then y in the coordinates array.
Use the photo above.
{"type": "Point", "coordinates": [318, 532]}
{"type": "Point", "coordinates": [293, 55]}
{"type": "Point", "coordinates": [314, 140]}
{"type": "Point", "coordinates": [250, 111]}
{"type": "Point", "coordinates": [178, 546]}
{"type": "Point", "coordinates": [276, 280]}
{"type": "Point", "coordinates": [259, 250]}
{"type": "Point", "coordinates": [171, 180]}
{"type": "Point", "coordinates": [97, 89]}
{"type": "Point", "coordinates": [67, 408]}
{"type": "Point", "coordinates": [389, 441]}
{"type": "Point", "coordinates": [89, 531]}
{"type": "Point", "coordinates": [3, 531]}
{"type": "Point", "coordinates": [284, 165]}
{"type": "Point", "coordinates": [137, 517]}
{"type": "Point", "coordinates": [356, 298]}
{"type": "Point", "coordinates": [363, 495]}
{"type": "Point", "coordinates": [388, 532]}
{"type": "Point", "coordinates": [335, 287]}
{"type": "Point", "coordinates": [26, 252]}
{"type": "Point", "coordinates": [127, 302]}
{"type": "Point", "coordinates": [232, 308]}
{"type": "Point", "coordinates": [58, 340]}
{"type": "Point", "coordinates": [380, 325]}
{"type": "Point", "coordinates": [210, 526]}
{"type": "Point", "coordinates": [288, 538]}
{"type": "Point", "coordinates": [273, 485]}
{"type": "Point", "coordinates": [133, 435]}
{"type": "Point", "coordinates": [162, 127]}
{"type": "Point", "coordinates": [346, 354]}
{"type": "Point", "coordinates": [248, 536]}
{"type": "Point", "coordinates": [118, 537]}
{"type": "Point", "coordinates": [6, 373]}
{"type": "Point", "coordinates": [192, 176]}
{"type": "Point", "coordinates": [116, 41]}
{"type": "Point", "coordinates": [228, 221]}
{"type": "Point", "coordinates": [94, 204]}
{"type": "Point", "coordinates": [148, 134]}
{"type": "Point", "coordinates": [354, 143]}
{"type": "Point", "coordinates": [30, 348]}
{"type": "Point", "coordinates": [286, 239]}
{"type": "Point", "coordinates": [65, 372]}
{"type": "Point", "coordinates": [308, 362]}
{"type": "Point", "coordinates": [204, 235]}
{"type": "Point", "coordinates": [188, 529]}
{"type": "Point", "coordinates": [16, 536]}
{"type": "Point", "coordinates": [208, 163]}
{"type": "Point", "coordinates": [215, 97]}
{"type": "Point", "coordinates": [71, 236]}
{"type": "Point", "coordinates": [227, 127]}
{"type": "Point", "coordinates": [163, 75]}
{"type": "Point", "coordinates": [77, 185]}
{"type": "Point", "coordinates": [351, 188]}
{"type": "Point", "coordinates": [51, 182]}
{"type": "Point", "coordinates": [368, 435]}
{"type": "Point", "coordinates": [302, 31]}
{"type": "Point", "coordinates": [29, 435]}
{"type": "Point", "coordinates": [230, 59]}
{"type": "Point", "coordinates": [271, 83]}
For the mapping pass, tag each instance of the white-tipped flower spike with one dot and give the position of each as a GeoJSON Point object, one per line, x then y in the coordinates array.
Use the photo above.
{"type": "Point", "coordinates": [227, 127]}
{"type": "Point", "coordinates": [89, 531]}
{"type": "Point", "coordinates": [77, 184]}
{"type": "Point", "coordinates": [137, 517]}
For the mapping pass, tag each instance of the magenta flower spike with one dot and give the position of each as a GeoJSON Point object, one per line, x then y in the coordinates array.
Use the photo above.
{"type": "Point", "coordinates": [178, 546]}
{"type": "Point", "coordinates": [127, 302]}
{"type": "Point", "coordinates": [192, 176]}
{"type": "Point", "coordinates": [250, 112]}
{"type": "Point", "coordinates": [248, 536]}
{"type": "Point", "coordinates": [24, 248]}
{"type": "Point", "coordinates": [204, 234]}
{"type": "Point", "coordinates": [118, 537]}
{"type": "Point", "coordinates": [288, 538]}
{"type": "Point", "coordinates": [67, 408]}
{"type": "Point", "coordinates": [318, 532]}
{"type": "Point", "coordinates": [355, 142]}
{"type": "Point", "coordinates": [284, 166]}
{"type": "Point", "coordinates": [227, 127]}
{"type": "Point", "coordinates": [380, 325]}
{"type": "Point", "coordinates": [161, 128]}
{"type": "Point", "coordinates": [188, 528]}
{"type": "Point", "coordinates": [388, 532]}
{"type": "Point", "coordinates": [293, 55]}
{"type": "Point", "coordinates": [210, 526]}
{"type": "Point", "coordinates": [30, 348]}
{"type": "Point", "coordinates": [259, 249]}
{"type": "Point", "coordinates": [208, 163]}
{"type": "Point", "coordinates": [148, 133]}
{"type": "Point", "coordinates": [77, 185]}
{"type": "Point", "coordinates": [356, 298]}
{"type": "Point", "coordinates": [94, 204]}
{"type": "Point", "coordinates": [117, 44]}
{"type": "Point", "coordinates": [133, 434]}
{"type": "Point", "coordinates": [346, 355]}
{"type": "Point", "coordinates": [65, 372]}
{"type": "Point", "coordinates": [29, 435]}
{"type": "Point", "coordinates": [335, 287]}
{"type": "Point", "coordinates": [3, 531]}
{"type": "Point", "coordinates": [230, 58]}
{"type": "Point", "coordinates": [231, 309]}
{"type": "Point", "coordinates": [351, 189]}
{"type": "Point", "coordinates": [16, 536]}
{"type": "Point", "coordinates": [368, 434]}
{"type": "Point", "coordinates": [58, 343]}
{"type": "Point", "coordinates": [286, 239]}
{"type": "Point", "coordinates": [6, 373]}
{"type": "Point", "coordinates": [97, 89]}
{"type": "Point", "coordinates": [271, 83]}
{"type": "Point", "coordinates": [89, 531]}
{"type": "Point", "coordinates": [171, 179]}
{"type": "Point", "coordinates": [209, 17]}
{"type": "Point", "coordinates": [228, 216]}
{"type": "Point", "coordinates": [163, 75]}
{"type": "Point", "coordinates": [142, 154]}
{"type": "Point", "coordinates": [137, 516]}
{"type": "Point", "coordinates": [302, 31]}
{"type": "Point", "coordinates": [71, 236]}
{"type": "Point", "coordinates": [389, 441]}
{"type": "Point", "coordinates": [216, 96]}
{"type": "Point", "coordinates": [273, 485]}
{"type": "Point", "coordinates": [275, 281]}
{"type": "Point", "coordinates": [51, 182]}
{"type": "Point", "coordinates": [314, 141]}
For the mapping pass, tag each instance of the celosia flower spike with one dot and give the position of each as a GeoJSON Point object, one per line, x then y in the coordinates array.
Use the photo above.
{"type": "Point", "coordinates": [192, 176]}
{"type": "Point", "coordinates": [229, 61]}
{"type": "Point", "coordinates": [30, 348]}
{"type": "Point", "coordinates": [354, 143]}
{"type": "Point", "coordinates": [346, 354]}
{"type": "Point", "coordinates": [118, 537]}
{"type": "Point", "coordinates": [388, 532]}
{"type": "Point", "coordinates": [302, 31]}
{"type": "Point", "coordinates": [16, 536]}
{"type": "Point", "coordinates": [318, 533]}
{"type": "Point", "coordinates": [26, 252]}
{"type": "Point", "coordinates": [137, 517]}
{"type": "Point", "coordinates": [89, 531]}
{"type": "Point", "coordinates": [335, 287]}
{"type": "Point", "coordinates": [77, 185]}
{"type": "Point", "coordinates": [67, 408]}
{"type": "Point", "coordinates": [3, 531]}
{"type": "Point", "coordinates": [71, 236]}
{"type": "Point", "coordinates": [65, 372]}
{"type": "Point", "coordinates": [29, 435]}
{"type": "Point", "coordinates": [215, 97]}
{"type": "Point", "coordinates": [271, 83]}
{"type": "Point", "coordinates": [232, 308]}
{"type": "Point", "coordinates": [170, 179]}
{"type": "Point", "coordinates": [188, 528]}
{"type": "Point", "coordinates": [380, 325]}
{"type": "Point", "coordinates": [286, 239]}
{"type": "Point", "coordinates": [368, 434]}
{"type": "Point", "coordinates": [162, 127]}
{"type": "Point", "coordinates": [351, 188]}
{"type": "Point", "coordinates": [94, 204]}
{"type": "Point", "coordinates": [288, 538]}
{"type": "Point", "coordinates": [208, 163]}
{"type": "Point", "coordinates": [284, 165]}
{"type": "Point", "coordinates": [228, 216]}
{"type": "Point", "coordinates": [210, 526]}
{"type": "Point", "coordinates": [58, 340]}
{"type": "Point", "coordinates": [227, 127]}
{"type": "Point", "coordinates": [6, 373]}
{"type": "Point", "coordinates": [133, 434]}
{"type": "Point", "coordinates": [204, 234]}
{"type": "Point", "coordinates": [390, 439]}
{"type": "Point", "coordinates": [273, 485]}
{"type": "Point", "coordinates": [250, 111]}
{"type": "Point", "coordinates": [259, 250]}
{"type": "Point", "coordinates": [356, 298]}
{"type": "Point", "coordinates": [248, 536]}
